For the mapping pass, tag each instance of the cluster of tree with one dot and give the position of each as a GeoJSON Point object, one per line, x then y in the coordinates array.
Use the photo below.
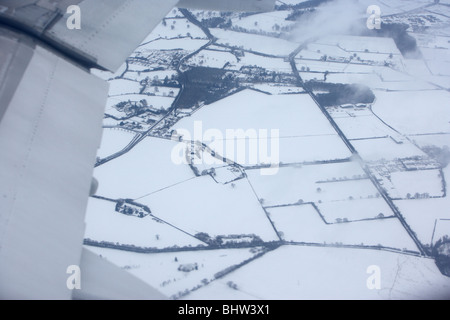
{"type": "Point", "coordinates": [297, 13]}
{"type": "Point", "coordinates": [441, 253]}
{"type": "Point", "coordinates": [232, 285]}
{"type": "Point", "coordinates": [133, 248]}
{"type": "Point", "coordinates": [441, 155]}
{"type": "Point", "coordinates": [230, 241]}
{"type": "Point", "coordinates": [406, 44]}
{"type": "Point", "coordinates": [188, 267]}
{"type": "Point", "coordinates": [302, 5]}
{"type": "Point", "coordinates": [339, 94]}
{"type": "Point", "coordinates": [418, 195]}
{"type": "Point", "coordinates": [276, 28]}
{"type": "Point", "coordinates": [217, 22]}
{"type": "Point", "coordinates": [205, 85]}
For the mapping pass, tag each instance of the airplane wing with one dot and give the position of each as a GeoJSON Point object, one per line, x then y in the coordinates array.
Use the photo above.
{"type": "Point", "coordinates": [51, 111]}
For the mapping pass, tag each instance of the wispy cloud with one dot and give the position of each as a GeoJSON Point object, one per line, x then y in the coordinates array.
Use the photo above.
{"type": "Point", "coordinates": [334, 17]}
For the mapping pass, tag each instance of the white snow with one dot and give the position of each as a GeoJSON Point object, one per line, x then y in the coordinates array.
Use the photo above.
{"type": "Point", "coordinates": [362, 44]}
{"type": "Point", "coordinates": [123, 86]}
{"type": "Point", "coordinates": [303, 129]}
{"type": "Point", "coordinates": [439, 140]}
{"type": "Point", "coordinates": [181, 28]}
{"type": "Point", "coordinates": [291, 184]}
{"type": "Point", "coordinates": [161, 270]}
{"type": "Point", "coordinates": [303, 224]}
{"type": "Point", "coordinates": [148, 167]}
{"type": "Point", "coordinates": [354, 210]}
{"type": "Point", "coordinates": [212, 59]}
{"type": "Point", "coordinates": [277, 89]}
{"type": "Point", "coordinates": [114, 140]}
{"type": "Point", "coordinates": [415, 112]}
{"type": "Point", "coordinates": [330, 273]}
{"type": "Point", "coordinates": [174, 44]}
{"type": "Point", "coordinates": [264, 22]}
{"type": "Point", "coordinates": [412, 182]}
{"type": "Point", "coordinates": [359, 127]}
{"type": "Point", "coordinates": [103, 223]}
{"type": "Point", "coordinates": [270, 64]}
{"type": "Point", "coordinates": [386, 148]}
{"type": "Point", "coordinates": [202, 205]}
{"type": "Point", "coordinates": [252, 42]}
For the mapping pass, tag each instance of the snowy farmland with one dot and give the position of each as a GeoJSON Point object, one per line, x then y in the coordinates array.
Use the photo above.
{"type": "Point", "coordinates": [226, 210]}
{"type": "Point", "coordinates": [303, 130]}
{"type": "Point", "coordinates": [212, 59]}
{"type": "Point", "coordinates": [362, 127]}
{"type": "Point", "coordinates": [174, 28]}
{"type": "Point", "coordinates": [386, 148]}
{"type": "Point", "coordinates": [171, 281]}
{"type": "Point", "coordinates": [268, 22]}
{"type": "Point", "coordinates": [330, 273]}
{"type": "Point", "coordinates": [409, 184]}
{"type": "Point", "coordinates": [412, 112]}
{"type": "Point", "coordinates": [362, 44]}
{"type": "Point", "coordinates": [114, 140]}
{"type": "Point", "coordinates": [302, 223]}
{"type": "Point", "coordinates": [351, 186]}
{"type": "Point", "coordinates": [105, 224]}
{"type": "Point", "coordinates": [312, 183]}
{"type": "Point", "coordinates": [354, 210]}
{"type": "Point", "coordinates": [187, 44]}
{"type": "Point", "coordinates": [276, 89]}
{"type": "Point", "coordinates": [270, 64]}
{"type": "Point", "coordinates": [258, 43]}
{"type": "Point", "coordinates": [144, 169]}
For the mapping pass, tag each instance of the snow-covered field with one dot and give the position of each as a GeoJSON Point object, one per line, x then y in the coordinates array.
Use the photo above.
{"type": "Point", "coordinates": [148, 167]}
{"type": "Point", "coordinates": [122, 86]}
{"type": "Point", "coordinates": [423, 182]}
{"type": "Point", "coordinates": [263, 44]}
{"type": "Point", "coordinates": [174, 44]}
{"type": "Point", "coordinates": [303, 129]}
{"type": "Point", "coordinates": [273, 89]}
{"type": "Point", "coordinates": [173, 28]}
{"type": "Point", "coordinates": [362, 127]}
{"type": "Point", "coordinates": [114, 140]}
{"type": "Point", "coordinates": [421, 214]}
{"type": "Point", "coordinates": [105, 224]}
{"type": "Point", "coordinates": [415, 112]}
{"type": "Point", "coordinates": [270, 64]}
{"type": "Point", "coordinates": [386, 148]}
{"type": "Point", "coordinates": [439, 140]}
{"type": "Point", "coordinates": [354, 210]}
{"type": "Point", "coordinates": [320, 66]}
{"type": "Point", "coordinates": [212, 59]}
{"type": "Point", "coordinates": [312, 183]}
{"type": "Point", "coordinates": [303, 224]}
{"type": "Point", "coordinates": [268, 22]}
{"type": "Point", "coordinates": [161, 270]}
{"type": "Point", "coordinates": [362, 44]}
{"type": "Point", "coordinates": [203, 205]}
{"type": "Point", "coordinates": [294, 272]}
